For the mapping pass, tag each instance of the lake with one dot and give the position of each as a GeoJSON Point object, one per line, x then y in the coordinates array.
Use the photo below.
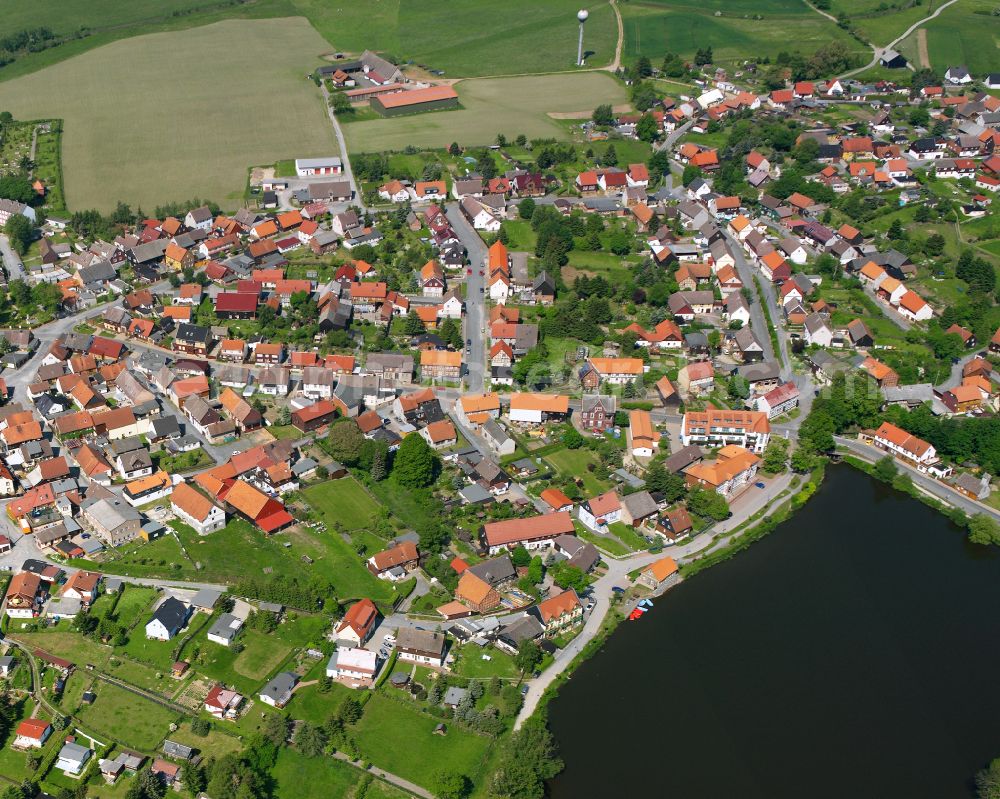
{"type": "Point", "coordinates": [853, 652]}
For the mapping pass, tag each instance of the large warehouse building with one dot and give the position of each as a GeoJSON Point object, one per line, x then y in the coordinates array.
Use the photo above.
{"type": "Point", "coordinates": [430, 99]}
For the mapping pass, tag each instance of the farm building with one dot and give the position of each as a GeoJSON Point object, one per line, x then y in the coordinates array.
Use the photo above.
{"type": "Point", "coordinates": [430, 99]}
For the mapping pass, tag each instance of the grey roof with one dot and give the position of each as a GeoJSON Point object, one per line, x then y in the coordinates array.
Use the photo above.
{"type": "Point", "coordinates": [172, 613]}
{"type": "Point", "coordinates": [226, 626]}
{"type": "Point", "coordinates": [135, 460]}
{"type": "Point", "coordinates": [304, 465]}
{"type": "Point", "coordinates": [526, 628]}
{"type": "Point", "coordinates": [112, 513]}
{"type": "Point", "coordinates": [409, 638]}
{"type": "Point", "coordinates": [475, 494]}
{"type": "Point", "coordinates": [176, 750]}
{"type": "Point", "coordinates": [683, 458]}
{"type": "Point", "coordinates": [206, 598]}
{"type": "Point", "coordinates": [494, 431]}
{"type": "Point", "coordinates": [280, 685]}
{"type": "Point", "coordinates": [98, 271]}
{"type": "Point", "coordinates": [591, 401]}
{"type": "Point", "coordinates": [747, 341]}
{"type": "Point", "coordinates": [74, 753]}
{"type": "Point", "coordinates": [753, 372]}
{"type": "Point", "coordinates": [454, 695]}
{"type": "Point", "coordinates": [495, 570]}
{"type": "Point", "coordinates": [640, 504]}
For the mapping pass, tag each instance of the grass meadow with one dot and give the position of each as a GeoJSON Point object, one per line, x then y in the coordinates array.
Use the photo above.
{"type": "Point", "coordinates": [171, 116]}
{"type": "Point", "coordinates": [489, 106]}
{"type": "Point", "coordinates": [965, 33]}
{"type": "Point", "coordinates": [128, 718]}
{"type": "Point", "coordinates": [657, 27]}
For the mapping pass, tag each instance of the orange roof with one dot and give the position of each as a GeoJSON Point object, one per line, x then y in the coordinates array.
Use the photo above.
{"type": "Point", "coordinates": [32, 728]}
{"type": "Point", "coordinates": [472, 589]}
{"type": "Point", "coordinates": [431, 269]}
{"type": "Point", "coordinates": [440, 358]}
{"type": "Point", "coordinates": [441, 430]}
{"type": "Point", "coordinates": [877, 369]}
{"type": "Point", "coordinates": [773, 259]}
{"type": "Point", "coordinates": [889, 285]}
{"type": "Point", "coordinates": [739, 223]}
{"type": "Point", "coordinates": [872, 270]}
{"type": "Point", "coordinates": [550, 403]}
{"type": "Point", "coordinates": [902, 439]}
{"type": "Point", "coordinates": [641, 425]}
{"type": "Point", "coordinates": [265, 228]}
{"type": "Point", "coordinates": [967, 392]}
{"type": "Point", "coordinates": [181, 313]}
{"type": "Point", "coordinates": [497, 257]}
{"type": "Point", "coordinates": [912, 302]}
{"type": "Point", "coordinates": [732, 460]}
{"type": "Point", "coordinates": [156, 480]}
{"type": "Point", "coordinates": [246, 499]}
{"type": "Point", "coordinates": [750, 421]}
{"type": "Point", "coordinates": [610, 366]}
{"type": "Point", "coordinates": [705, 158]}
{"type": "Point", "coordinates": [661, 569]}
{"type": "Point", "coordinates": [373, 291]}
{"type": "Point", "coordinates": [404, 552]}
{"type": "Point", "coordinates": [414, 97]}
{"type": "Point", "coordinates": [472, 403]}
{"type": "Point", "coordinates": [289, 219]}
{"type": "Point", "coordinates": [558, 606]}
{"type": "Point", "coordinates": [359, 617]}
{"type": "Point", "coordinates": [20, 433]}
{"type": "Point", "coordinates": [555, 498]}
{"type": "Point", "coordinates": [428, 314]}
{"type": "Point", "coordinates": [174, 252]}
{"type": "Point", "coordinates": [512, 531]}
{"type": "Point", "coordinates": [192, 502]}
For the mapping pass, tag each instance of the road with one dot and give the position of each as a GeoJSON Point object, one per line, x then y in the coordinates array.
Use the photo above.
{"type": "Point", "coordinates": [942, 491]}
{"type": "Point", "coordinates": [342, 143]}
{"type": "Point", "coordinates": [475, 302]}
{"type": "Point", "coordinates": [11, 260]}
{"type": "Point", "coordinates": [955, 377]}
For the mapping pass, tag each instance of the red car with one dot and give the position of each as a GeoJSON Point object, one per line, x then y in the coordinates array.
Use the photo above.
{"type": "Point", "coordinates": [480, 272]}
{"type": "Point", "coordinates": [468, 271]}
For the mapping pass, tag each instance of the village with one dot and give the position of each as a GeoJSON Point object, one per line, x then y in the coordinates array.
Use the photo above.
{"type": "Point", "coordinates": [372, 459]}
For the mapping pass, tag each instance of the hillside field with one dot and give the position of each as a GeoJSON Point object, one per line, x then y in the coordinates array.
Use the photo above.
{"type": "Point", "coordinates": [171, 116]}
{"type": "Point", "coordinates": [965, 33]}
{"type": "Point", "coordinates": [656, 27]}
{"type": "Point", "coordinates": [468, 38]}
{"type": "Point", "coordinates": [489, 106]}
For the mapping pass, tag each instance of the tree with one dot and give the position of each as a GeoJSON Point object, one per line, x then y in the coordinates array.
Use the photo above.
{"type": "Point", "coordinates": [776, 455]}
{"type": "Point", "coordinates": [566, 577]}
{"type": "Point", "coordinates": [415, 464]}
{"type": "Point", "coordinates": [344, 441]}
{"type": "Point", "coordinates": [885, 469]}
{"type": "Point", "coordinates": [200, 726]}
{"type": "Point", "coordinates": [195, 779]}
{"type": "Point", "coordinates": [708, 503]}
{"type": "Point", "coordinates": [413, 325]}
{"type": "Point", "coordinates": [690, 174]}
{"type": "Point", "coordinates": [528, 656]}
{"type": "Point", "coordinates": [988, 781]}
{"type": "Point", "coordinates": [658, 479]}
{"type": "Point", "coordinates": [486, 166]}
{"type": "Point", "coordinates": [572, 439]}
{"type": "Point", "coordinates": [610, 156]}
{"type": "Point", "coordinates": [647, 130]}
{"type": "Point", "coordinates": [896, 230]}
{"type": "Point", "coordinates": [703, 57]}
{"type": "Point", "coordinates": [435, 694]}
{"type": "Point", "coordinates": [20, 232]}
{"type": "Point", "coordinates": [983, 530]}
{"type": "Point", "coordinates": [527, 760]}
{"type": "Point", "coordinates": [276, 727]}
{"type": "Point", "coordinates": [380, 464]}
{"type": "Point", "coordinates": [802, 460]}
{"type": "Point", "coordinates": [520, 556]}
{"type": "Point", "coordinates": [341, 104]}
{"type": "Point", "coordinates": [451, 785]}
{"type": "Point", "coordinates": [309, 739]}
{"type": "Point", "coordinates": [454, 149]}
{"type": "Point", "coordinates": [350, 711]}
{"type": "Point", "coordinates": [603, 115]}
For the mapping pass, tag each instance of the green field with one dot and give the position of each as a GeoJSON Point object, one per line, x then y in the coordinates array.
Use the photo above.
{"type": "Point", "coordinates": [130, 719]}
{"type": "Point", "coordinates": [343, 501]}
{"type": "Point", "coordinates": [502, 105]}
{"type": "Point", "coordinates": [965, 33]}
{"type": "Point", "coordinates": [573, 463]}
{"type": "Point", "coordinates": [125, 140]}
{"type": "Point", "coordinates": [657, 27]}
{"type": "Point", "coordinates": [401, 739]}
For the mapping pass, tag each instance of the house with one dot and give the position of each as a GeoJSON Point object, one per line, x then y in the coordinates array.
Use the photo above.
{"type": "Point", "coordinates": [252, 504]}
{"type": "Point", "coordinates": [440, 365]}
{"type": "Point", "coordinates": [223, 703]}
{"type": "Point", "coordinates": [72, 758]}
{"type": "Point", "coordinates": [353, 665]}
{"type": "Point", "coordinates": [533, 409]}
{"type": "Point", "coordinates": [661, 573]}
{"type": "Point", "coordinates": [196, 510]}
{"type": "Point", "coordinates": [816, 330]}
{"type": "Point", "coordinates": [423, 647]}
{"type": "Point", "coordinates": [192, 339]}
{"type": "Point", "coordinates": [733, 469]}
{"type": "Point", "coordinates": [913, 307]}
{"type": "Point", "coordinates": [860, 335]}
{"type": "Point", "coordinates": [225, 629]}
{"type": "Point", "coordinates": [556, 499]}
{"type": "Point", "coordinates": [314, 416]}
{"type": "Point", "coordinates": [885, 376]}
{"type": "Point", "coordinates": [394, 563]}
{"type": "Point", "coordinates": [497, 438]}
{"type": "Point", "coordinates": [645, 439]}
{"type": "Point", "coordinates": [358, 623]}
{"type": "Point", "coordinates": [476, 594]}
{"type": "Point", "coordinates": [697, 377]}
{"type": "Point", "coordinates": [115, 522]}
{"type": "Point", "coordinates": [905, 446]}
{"type": "Point", "coordinates": [958, 75]}
{"type": "Point", "coordinates": [675, 524]}
{"type": "Point", "coordinates": [638, 507]}
{"type": "Point", "coordinates": [617, 371]}
{"type": "Point", "coordinates": [440, 434]}
{"type": "Point", "coordinates": [168, 619]}
{"type": "Point", "coordinates": [963, 398]}
{"type": "Point", "coordinates": [278, 691]}
{"type": "Point", "coordinates": [600, 511]}
{"type": "Point", "coordinates": [31, 734]}
{"type": "Point", "coordinates": [23, 599]}
{"type": "Point", "coordinates": [716, 427]}
{"type": "Point", "coordinates": [779, 401]}
{"type": "Point", "coordinates": [536, 532]}
{"type": "Point", "coordinates": [82, 586]}
{"type": "Point", "coordinates": [312, 167]}
{"type": "Point", "coordinates": [560, 611]}
{"type": "Point", "coordinates": [597, 412]}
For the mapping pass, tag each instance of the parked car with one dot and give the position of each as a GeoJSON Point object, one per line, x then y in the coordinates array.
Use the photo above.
{"type": "Point", "coordinates": [759, 484]}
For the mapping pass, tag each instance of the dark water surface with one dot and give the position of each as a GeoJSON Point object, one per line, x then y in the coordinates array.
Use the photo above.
{"type": "Point", "coordinates": [855, 652]}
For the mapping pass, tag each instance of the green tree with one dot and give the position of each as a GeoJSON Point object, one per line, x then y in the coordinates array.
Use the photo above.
{"type": "Point", "coordinates": [276, 727]}
{"type": "Point", "coordinates": [344, 441]}
{"type": "Point", "coordinates": [20, 231]}
{"type": "Point", "coordinates": [454, 149]}
{"type": "Point", "coordinates": [415, 464]}
{"type": "Point", "coordinates": [528, 657]}
{"type": "Point", "coordinates": [195, 779]}
{"type": "Point", "coordinates": [603, 115]}
{"type": "Point", "coordinates": [572, 439]}
{"type": "Point", "coordinates": [708, 503]}
{"type": "Point", "coordinates": [310, 739]}
{"type": "Point", "coordinates": [520, 556]}
{"type": "Point", "coordinates": [451, 785]}
{"type": "Point", "coordinates": [983, 530]}
{"type": "Point", "coordinates": [341, 104]}
{"type": "Point", "coordinates": [802, 460]}
{"type": "Point", "coordinates": [690, 174]}
{"type": "Point", "coordinates": [527, 759]}
{"type": "Point", "coordinates": [526, 208]}
{"type": "Point", "coordinates": [885, 469]}
{"type": "Point", "coordinates": [413, 325]}
{"type": "Point", "coordinates": [200, 726]}
{"type": "Point", "coordinates": [776, 455]}
{"type": "Point", "coordinates": [569, 577]}
{"type": "Point", "coordinates": [647, 130]}
{"type": "Point", "coordinates": [610, 157]}
{"type": "Point", "coordinates": [988, 781]}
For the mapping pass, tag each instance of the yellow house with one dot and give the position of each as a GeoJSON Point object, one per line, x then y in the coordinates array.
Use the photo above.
{"type": "Point", "coordinates": [178, 257]}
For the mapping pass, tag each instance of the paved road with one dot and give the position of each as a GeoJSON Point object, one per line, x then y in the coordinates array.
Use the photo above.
{"type": "Point", "coordinates": [942, 491]}
{"type": "Point", "coordinates": [955, 377]}
{"type": "Point", "coordinates": [475, 311]}
{"type": "Point", "coordinates": [342, 143]}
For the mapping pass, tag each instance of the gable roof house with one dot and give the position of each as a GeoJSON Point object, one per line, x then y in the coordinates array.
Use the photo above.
{"type": "Point", "coordinates": [168, 619]}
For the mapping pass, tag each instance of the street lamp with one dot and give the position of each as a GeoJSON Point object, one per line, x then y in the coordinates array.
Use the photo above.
{"type": "Point", "coordinates": [581, 15]}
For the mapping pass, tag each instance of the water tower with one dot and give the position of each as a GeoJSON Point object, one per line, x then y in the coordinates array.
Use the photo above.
{"type": "Point", "coordinates": [581, 15]}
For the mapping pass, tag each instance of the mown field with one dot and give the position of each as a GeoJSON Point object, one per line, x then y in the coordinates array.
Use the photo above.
{"type": "Point", "coordinates": [502, 105]}
{"type": "Point", "coordinates": [656, 27]}
{"type": "Point", "coordinates": [171, 116]}
{"type": "Point", "coordinates": [965, 33]}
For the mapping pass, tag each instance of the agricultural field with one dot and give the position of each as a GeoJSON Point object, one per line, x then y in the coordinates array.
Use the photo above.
{"type": "Point", "coordinates": [965, 33]}
{"type": "Point", "coordinates": [489, 106]}
{"type": "Point", "coordinates": [659, 27]}
{"type": "Point", "coordinates": [187, 138]}
{"type": "Point", "coordinates": [879, 23]}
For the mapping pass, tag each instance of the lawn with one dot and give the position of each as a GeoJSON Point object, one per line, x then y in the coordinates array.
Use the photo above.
{"type": "Point", "coordinates": [608, 543]}
{"type": "Point", "coordinates": [489, 106]}
{"type": "Point", "coordinates": [628, 536]}
{"type": "Point", "coordinates": [573, 463]}
{"type": "Point", "coordinates": [186, 139]}
{"type": "Point", "coordinates": [470, 663]}
{"type": "Point", "coordinates": [68, 645]}
{"type": "Point", "coordinates": [654, 29]}
{"type": "Point", "coordinates": [299, 777]}
{"type": "Point", "coordinates": [401, 739]}
{"type": "Point", "coordinates": [240, 549]}
{"type": "Point", "coordinates": [130, 719]}
{"type": "Point", "coordinates": [965, 33]}
{"type": "Point", "coordinates": [343, 501]}
{"type": "Point", "coordinates": [215, 744]}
